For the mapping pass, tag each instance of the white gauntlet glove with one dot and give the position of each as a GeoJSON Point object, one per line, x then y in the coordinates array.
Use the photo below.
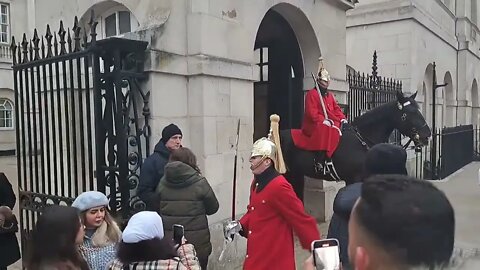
{"type": "Point", "coordinates": [231, 228]}
{"type": "Point", "coordinates": [327, 122]}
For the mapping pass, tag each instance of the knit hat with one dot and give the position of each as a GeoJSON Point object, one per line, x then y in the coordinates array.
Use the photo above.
{"type": "Point", "coordinates": [386, 158]}
{"type": "Point", "coordinates": [90, 199]}
{"type": "Point", "coordinates": [145, 225]}
{"type": "Point", "coordinates": [170, 131]}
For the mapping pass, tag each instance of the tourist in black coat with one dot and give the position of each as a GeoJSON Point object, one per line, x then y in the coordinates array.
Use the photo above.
{"type": "Point", "coordinates": [9, 249]}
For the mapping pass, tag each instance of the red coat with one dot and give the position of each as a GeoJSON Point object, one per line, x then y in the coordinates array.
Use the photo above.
{"type": "Point", "coordinates": [314, 135]}
{"type": "Point", "coordinates": [272, 216]}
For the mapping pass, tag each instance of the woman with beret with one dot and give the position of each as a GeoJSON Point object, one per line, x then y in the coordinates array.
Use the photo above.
{"type": "Point", "coordinates": [144, 246]}
{"type": "Point", "coordinates": [101, 232]}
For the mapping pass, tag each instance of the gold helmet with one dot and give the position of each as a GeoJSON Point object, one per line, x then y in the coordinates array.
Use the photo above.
{"type": "Point", "coordinates": [322, 72]}
{"type": "Point", "coordinates": [265, 148]}
{"type": "Point", "coordinates": [270, 147]}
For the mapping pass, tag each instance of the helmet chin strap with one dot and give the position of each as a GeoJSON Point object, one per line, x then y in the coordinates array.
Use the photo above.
{"type": "Point", "coordinates": [256, 165]}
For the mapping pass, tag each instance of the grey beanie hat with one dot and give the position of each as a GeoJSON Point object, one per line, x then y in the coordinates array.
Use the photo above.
{"type": "Point", "coordinates": [90, 199]}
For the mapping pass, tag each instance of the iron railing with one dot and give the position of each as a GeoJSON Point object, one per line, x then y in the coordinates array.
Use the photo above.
{"type": "Point", "coordinates": [369, 91]}
{"type": "Point", "coordinates": [82, 119]}
{"type": "Point", "coordinates": [456, 147]}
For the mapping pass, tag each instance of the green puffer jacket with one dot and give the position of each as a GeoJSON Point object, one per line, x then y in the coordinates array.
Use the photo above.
{"type": "Point", "coordinates": [186, 198]}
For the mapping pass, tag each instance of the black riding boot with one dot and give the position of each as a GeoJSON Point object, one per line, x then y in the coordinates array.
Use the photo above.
{"type": "Point", "coordinates": [319, 161]}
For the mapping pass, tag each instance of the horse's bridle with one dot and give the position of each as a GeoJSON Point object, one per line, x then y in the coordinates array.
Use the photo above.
{"type": "Point", "coordinates": [414, 136]}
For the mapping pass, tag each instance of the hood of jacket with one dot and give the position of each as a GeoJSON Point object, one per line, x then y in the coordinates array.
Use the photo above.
{"type": "Point", "coordinates": [179, 175]}
{"type": "Point", "coordinates": [162, 150]}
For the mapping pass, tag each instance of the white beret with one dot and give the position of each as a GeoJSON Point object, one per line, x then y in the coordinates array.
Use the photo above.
{"type": "Point", "coordinates": [90, 199]}
{"type": "Point", "coordinates": [145, 225]}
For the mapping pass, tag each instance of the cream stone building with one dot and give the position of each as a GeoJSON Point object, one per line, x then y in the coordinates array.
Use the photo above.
{"type": "Point", "coordinates": [209, 63]}
{"type": "Point", "coordinates": [409, 35]}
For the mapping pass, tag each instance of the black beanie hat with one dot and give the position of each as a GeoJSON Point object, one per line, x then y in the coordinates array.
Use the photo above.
{"type": "Point", "coordinates": [170, 131]}
{"type": "Point", "coordinates": [385, 158]}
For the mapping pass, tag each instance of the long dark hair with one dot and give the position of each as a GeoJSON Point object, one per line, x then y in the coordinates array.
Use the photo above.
{"type": "Point", "coordinates": [53, 238]}
{"type": "Point", "coordinates": [185, 155]}
{"type": "Point", "coordinates": [146, 250]}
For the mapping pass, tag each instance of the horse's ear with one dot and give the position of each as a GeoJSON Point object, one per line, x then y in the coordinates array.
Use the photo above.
{"type": "Point", "coordinates": [414, 95]}
{"type": "Point", "coordinates": [400, 96]}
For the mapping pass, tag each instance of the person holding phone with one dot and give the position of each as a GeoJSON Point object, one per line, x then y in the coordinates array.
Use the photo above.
{"type": "Point", "coordinates": [273, 214]}
{"type": "Point", "coordinates": [186, 198]}
{"type": "Point", "coordinates": [144, 246]}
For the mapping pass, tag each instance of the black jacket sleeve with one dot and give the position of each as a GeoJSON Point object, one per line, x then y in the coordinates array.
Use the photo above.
{"type": "Point", "coordinates": [7, 196]}
{"type": "Point", "coordinates": [345, 199]}
{"type": "Point", "coordinates": [210, 200]}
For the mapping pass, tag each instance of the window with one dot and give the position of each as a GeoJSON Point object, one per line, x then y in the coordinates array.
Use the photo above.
{"type": "Point", "coordinates": [4, 23]}
{"type": "Point", "coordinates": [117, 23]}
{"type": "Point", "coordinates": [6, 114]}
{"type": "Point", "coordinates": [261, 55]}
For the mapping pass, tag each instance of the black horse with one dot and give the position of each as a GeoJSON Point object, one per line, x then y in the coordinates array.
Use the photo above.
{"type": "Point", "coordinates": [373, 127]}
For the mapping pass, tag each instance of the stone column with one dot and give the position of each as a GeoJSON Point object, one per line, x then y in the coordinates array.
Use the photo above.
{"type": "Point", "coordinates": [319, 196]}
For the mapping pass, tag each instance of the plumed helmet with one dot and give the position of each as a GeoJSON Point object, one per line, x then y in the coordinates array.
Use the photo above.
{"type": "Point", "coordinates": [270, 147]}
{"type": "Point", "coordinates": [265, 148]}
{"type": "Point", "coordinates": [322, 72]}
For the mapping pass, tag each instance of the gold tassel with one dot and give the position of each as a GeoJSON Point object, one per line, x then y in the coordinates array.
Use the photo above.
{"type": "Point", "coordinates": [274, 136]}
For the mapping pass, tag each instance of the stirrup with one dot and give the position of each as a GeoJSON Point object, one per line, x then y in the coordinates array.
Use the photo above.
{"type": "Point", "coordinates": [327, 165]}
{"type": "Point", "coordinates": [319, 168]}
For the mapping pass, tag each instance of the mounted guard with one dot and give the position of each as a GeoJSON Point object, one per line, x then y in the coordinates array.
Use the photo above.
{"type": "Point", "coordinates": [322, 121]}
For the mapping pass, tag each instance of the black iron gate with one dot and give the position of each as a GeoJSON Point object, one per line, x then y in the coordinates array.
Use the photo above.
{"type": "Point", "coordinates": [369, 91]}
{"type": "Point", "coordinates": [81, 119]}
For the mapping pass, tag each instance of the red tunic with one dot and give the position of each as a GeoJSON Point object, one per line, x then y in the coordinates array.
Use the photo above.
{"type": "Point", "coordinates": [272, 216]}
{"type": "Point", "coordinates": [314, 135]}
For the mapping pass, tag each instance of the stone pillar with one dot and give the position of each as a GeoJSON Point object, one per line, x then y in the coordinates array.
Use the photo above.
{"type": "Point", "coordinates": [319, 196]}
{"type": "Point", "coordinates": [462, 111]}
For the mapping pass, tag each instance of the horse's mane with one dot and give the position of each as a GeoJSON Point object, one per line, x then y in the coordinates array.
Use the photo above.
{"type": "Point", "coordinates": [379, 113]}
{"type": "Point", "coordinates": [374, 115]}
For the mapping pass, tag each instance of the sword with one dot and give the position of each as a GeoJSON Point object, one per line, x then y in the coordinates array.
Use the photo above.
{"type": "Point", "coordinates": [235, 171]}
{"type": "Point", "coordinates": [321, 98]}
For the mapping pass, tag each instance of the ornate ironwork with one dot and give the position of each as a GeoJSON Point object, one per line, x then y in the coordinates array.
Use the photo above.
{"type": "Point", "coordinates": [370, 91]}
{"type": "Point", "coordinates": [83, 119]}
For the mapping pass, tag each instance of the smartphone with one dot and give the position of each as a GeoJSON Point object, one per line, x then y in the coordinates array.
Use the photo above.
{"type": "Point", "coordinates": [326, 254]}
{"type": "Point", "coordinates": [178, 232]}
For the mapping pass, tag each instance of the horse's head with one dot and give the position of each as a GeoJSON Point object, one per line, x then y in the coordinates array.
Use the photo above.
{"type": "Point", "coordinates": [409, 120]}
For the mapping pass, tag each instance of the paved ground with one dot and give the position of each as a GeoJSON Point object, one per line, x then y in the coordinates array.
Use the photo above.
{"type": "Point", "coordinates": [462, 188]}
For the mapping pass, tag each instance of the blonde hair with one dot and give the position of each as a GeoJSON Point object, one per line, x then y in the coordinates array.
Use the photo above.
{"type": "Point", "coordinates": [107, 233]}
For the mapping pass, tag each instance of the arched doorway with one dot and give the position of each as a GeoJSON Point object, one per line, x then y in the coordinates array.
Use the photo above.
{"type": "Point", "coordinates": [280, 60]}
{"type": "Point", "coordinates": [427, 92]}
{"type": "Point", "coordinates": [449, 101]}
{"type": "Point", "coordinates": [475, 104]}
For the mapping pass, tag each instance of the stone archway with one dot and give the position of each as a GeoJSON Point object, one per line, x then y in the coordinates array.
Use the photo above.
{"type": "Point", "coordinates": [449, 101]}
{"type": "Point", "coordinates": [286, 49]}
{"type": "Point", "coordinates": [475, 104]}
{"type": "Point", "coordinates": [427, 94]}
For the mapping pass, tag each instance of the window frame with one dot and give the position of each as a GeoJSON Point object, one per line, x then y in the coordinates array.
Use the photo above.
{"type": "Point", "coordinates": [262, 63]}
{"type": "Point", "coordinates": [4, 101]}
{"type": "Point", "coordinates": [116, 10]}
{"type": "Point", "coordinates": [7, 23]}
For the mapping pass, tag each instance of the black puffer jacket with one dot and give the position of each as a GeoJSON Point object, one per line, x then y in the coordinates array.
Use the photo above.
{"type": "Point", "coordinates": [187, 198]}
{"type": "Point", "coordinates": [342, 208]}
{"type": "Point", "coordinates": [151, 173]}
{"type": "Point", "coordinates": [9, 249]}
